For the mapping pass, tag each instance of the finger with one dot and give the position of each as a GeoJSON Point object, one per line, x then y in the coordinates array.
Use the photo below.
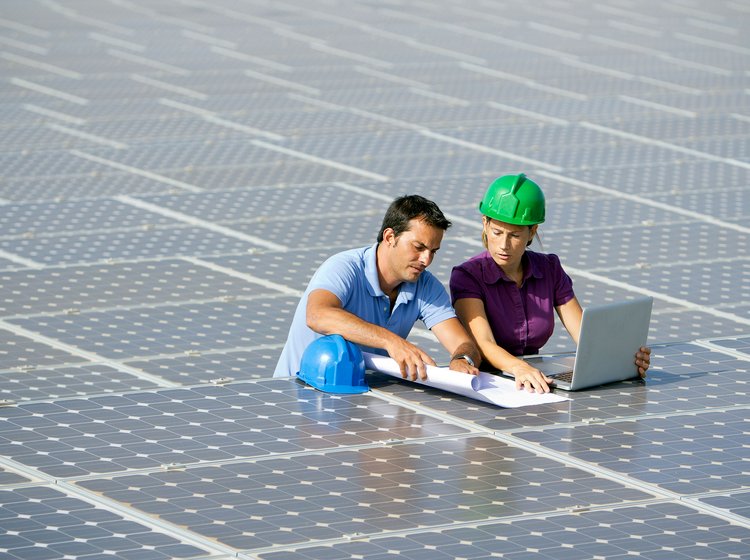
{"type": "Point", "coordinates": [466, 368]}
{"type": "Point", "coordinates": [404, 370]}
{"type": "Point", "coordinates": [422, 369]}
{"type": "Point", "coordinates": [541, 387]}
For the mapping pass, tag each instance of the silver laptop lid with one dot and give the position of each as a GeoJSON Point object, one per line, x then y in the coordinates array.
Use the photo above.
{"type": "Point", "coordinates": [610, 336]}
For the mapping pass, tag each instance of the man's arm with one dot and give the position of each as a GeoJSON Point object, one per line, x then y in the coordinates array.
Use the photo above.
{"type": "Point", "coordinates": [457, 341]}
{"type": "Point", "coordinates": [325, 315]}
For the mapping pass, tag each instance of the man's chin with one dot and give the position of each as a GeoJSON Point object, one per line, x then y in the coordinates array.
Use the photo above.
{"type": "Point", "coordinates": [414, 275]}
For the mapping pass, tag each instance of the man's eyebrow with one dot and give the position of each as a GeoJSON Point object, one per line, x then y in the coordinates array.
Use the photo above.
{"type": "Point", "coordinates": [421, 245]}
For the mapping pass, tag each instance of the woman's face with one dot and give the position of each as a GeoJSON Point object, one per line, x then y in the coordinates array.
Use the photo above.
{"type": "Point", "coordinates": [507, 242]}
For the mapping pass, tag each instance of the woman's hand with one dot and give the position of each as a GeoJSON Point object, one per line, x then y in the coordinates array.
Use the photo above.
{"type": "Point", "coordinates": [643, 360]}
{"type": "Point", "coordinates": [529, 378]}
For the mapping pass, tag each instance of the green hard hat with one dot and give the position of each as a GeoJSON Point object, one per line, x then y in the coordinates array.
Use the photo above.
{"type": "Point", "coordinates": [514, 199]}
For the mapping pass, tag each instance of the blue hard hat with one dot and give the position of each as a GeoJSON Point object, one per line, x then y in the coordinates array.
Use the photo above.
{"type": "Point", "coordinates": [334, 365]}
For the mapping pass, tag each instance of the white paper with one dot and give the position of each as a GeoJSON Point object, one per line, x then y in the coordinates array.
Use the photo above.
{"type": "Point", "coordinates": [483, 387]}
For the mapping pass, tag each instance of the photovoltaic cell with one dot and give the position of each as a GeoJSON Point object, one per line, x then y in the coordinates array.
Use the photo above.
{"type": "Point", "coordinates": [174, 173]}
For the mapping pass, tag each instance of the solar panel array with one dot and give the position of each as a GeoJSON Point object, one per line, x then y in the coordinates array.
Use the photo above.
{"type": "Point", "coordinates": [174, 171]}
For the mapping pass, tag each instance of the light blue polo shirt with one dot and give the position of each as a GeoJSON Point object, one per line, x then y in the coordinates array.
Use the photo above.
{"type": "Point", "coordinates": [352, 277]}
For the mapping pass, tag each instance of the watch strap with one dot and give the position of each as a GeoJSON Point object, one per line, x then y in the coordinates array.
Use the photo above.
{"type": "Point", "coordinates": [464, 357]}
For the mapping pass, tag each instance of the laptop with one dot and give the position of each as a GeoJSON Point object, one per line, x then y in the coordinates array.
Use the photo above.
{"type": "Point", "coordinates": [610, 336]}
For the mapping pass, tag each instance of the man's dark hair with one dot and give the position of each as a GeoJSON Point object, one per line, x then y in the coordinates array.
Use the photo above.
{"type": "Point", "coordinates": [409, 207]}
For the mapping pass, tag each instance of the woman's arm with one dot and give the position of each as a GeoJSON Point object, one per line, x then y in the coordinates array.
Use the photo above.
{"type": "Point", "coordinates": [472, 314]}
{"type": "Point", "coordinates": [570, 314]}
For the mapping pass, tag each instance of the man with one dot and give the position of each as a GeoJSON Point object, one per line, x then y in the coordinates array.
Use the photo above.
{"type": "Point", "coordinates": [373, 295]}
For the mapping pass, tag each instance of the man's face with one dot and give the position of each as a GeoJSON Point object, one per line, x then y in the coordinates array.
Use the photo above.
{"type": "Point", "coordinates": [412, 252]}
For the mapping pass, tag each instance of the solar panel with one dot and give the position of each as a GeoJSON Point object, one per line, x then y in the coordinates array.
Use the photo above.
{"type": "Point", "coordinates": [174, 172]}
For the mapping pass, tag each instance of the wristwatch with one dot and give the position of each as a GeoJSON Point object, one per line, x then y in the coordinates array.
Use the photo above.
{"type": "Point", "coordinates": [463, 357]}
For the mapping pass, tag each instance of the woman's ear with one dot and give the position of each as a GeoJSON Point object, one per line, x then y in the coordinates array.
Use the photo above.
{"type": "Point", "coordinates": [532, 234]}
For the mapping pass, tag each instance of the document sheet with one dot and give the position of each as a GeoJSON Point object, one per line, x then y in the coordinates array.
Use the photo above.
{"type": "Point", "coordinates": [483, 387]}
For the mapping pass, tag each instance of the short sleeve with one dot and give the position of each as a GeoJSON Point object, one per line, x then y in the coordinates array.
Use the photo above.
{"type": "Point", "coordinates": [434, 305]}
{"type": "Point", "coordinates": [463, 284]}
{"type": "Point", "coordinates": [338, 275]}
{"type": "Point", "coordinates": [563, 284]}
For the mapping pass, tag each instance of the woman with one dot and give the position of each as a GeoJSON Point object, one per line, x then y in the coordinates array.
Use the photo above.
{"type": "Point", "coordinates": [506, 295]}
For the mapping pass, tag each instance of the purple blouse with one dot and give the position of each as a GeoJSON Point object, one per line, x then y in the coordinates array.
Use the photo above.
{"type": "Point", "coordinates": [522, 319]}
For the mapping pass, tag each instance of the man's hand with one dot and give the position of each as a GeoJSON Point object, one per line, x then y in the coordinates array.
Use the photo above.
{"type": "Point", "coordinates": [461, 364]}
{"type": "Point", "coordinates": [456, 340]}
{"type": "Point", "coordinates": [326, 316]}
{"type": "Point", "coordinates": [411, 360]}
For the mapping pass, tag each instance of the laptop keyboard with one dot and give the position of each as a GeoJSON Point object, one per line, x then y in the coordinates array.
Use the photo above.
{"type": "Point", "coordinates": [566, 377]}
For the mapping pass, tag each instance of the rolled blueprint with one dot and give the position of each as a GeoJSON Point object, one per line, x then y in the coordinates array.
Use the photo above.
{"type": "Point", "coordinates": [484, 387]}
